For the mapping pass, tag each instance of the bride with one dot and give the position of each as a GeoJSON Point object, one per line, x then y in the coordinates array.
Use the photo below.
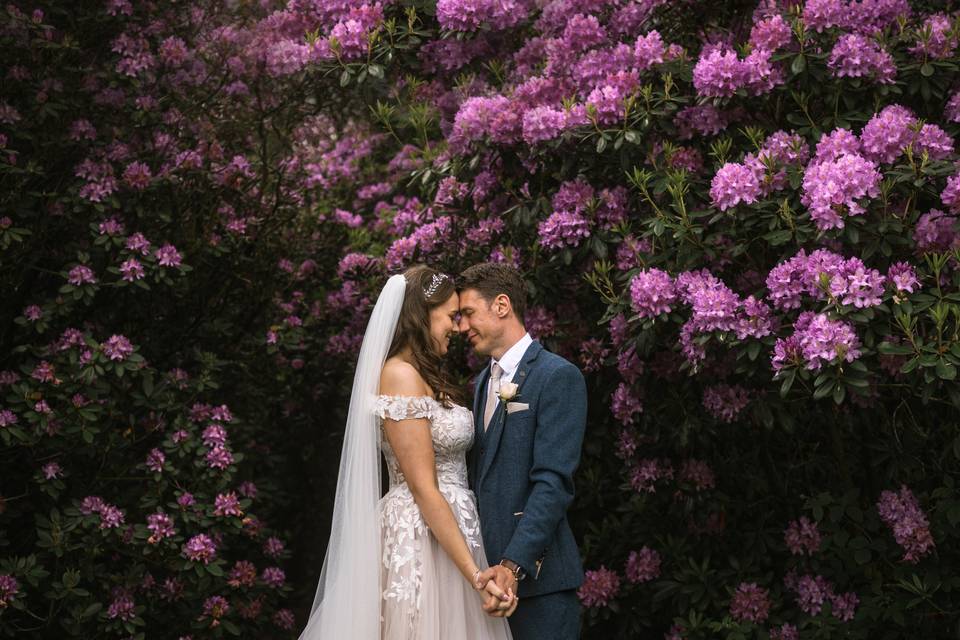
{"type": "Point", "coordinates": [409, 565]}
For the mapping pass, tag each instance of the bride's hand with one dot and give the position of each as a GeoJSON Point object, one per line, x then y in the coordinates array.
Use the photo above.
{"type": "Point", "coordinates": [498, 603]}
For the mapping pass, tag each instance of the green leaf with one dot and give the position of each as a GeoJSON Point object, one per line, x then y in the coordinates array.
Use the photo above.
{"type": "Point", "coordinates": [799, 64]}
{"type": "Point", "coordinates": [926, 70]}
{"type": "Point", "coordinates": [946, 370]}
{"type": "Point", "coordinates": [839, 393]}
{"type": "Point", "coordinates": [345, 78]}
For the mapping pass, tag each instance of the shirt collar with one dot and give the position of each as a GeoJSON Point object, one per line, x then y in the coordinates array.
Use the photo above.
{"type": "Point", "coordinates": [510, 360]}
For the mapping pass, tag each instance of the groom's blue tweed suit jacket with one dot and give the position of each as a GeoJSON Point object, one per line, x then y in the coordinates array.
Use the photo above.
{"type": "Point", "coordinates": [521, 470]}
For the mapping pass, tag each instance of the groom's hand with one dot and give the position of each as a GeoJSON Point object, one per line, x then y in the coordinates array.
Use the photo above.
{"type": "Point", "coordinates": [504, 579]}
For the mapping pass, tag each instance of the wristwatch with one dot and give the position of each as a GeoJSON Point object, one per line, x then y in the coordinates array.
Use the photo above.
{"type": "Point", "coordinates": [518, 572]}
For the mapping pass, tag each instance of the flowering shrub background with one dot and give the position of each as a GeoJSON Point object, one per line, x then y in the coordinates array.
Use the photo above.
{"type": "Point", "coordinates": [740, 220]}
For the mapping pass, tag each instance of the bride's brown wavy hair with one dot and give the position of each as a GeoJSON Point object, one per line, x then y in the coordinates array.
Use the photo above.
{"type": "Point", "coordinates": [413, 330]}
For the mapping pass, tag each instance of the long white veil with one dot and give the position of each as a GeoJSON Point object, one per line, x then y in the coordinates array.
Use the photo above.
{"type": "Point", "coordinates": [347, 604]}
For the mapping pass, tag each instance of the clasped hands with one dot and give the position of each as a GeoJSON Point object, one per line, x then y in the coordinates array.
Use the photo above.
{"type": "Point", "coordinates": [499, 587]}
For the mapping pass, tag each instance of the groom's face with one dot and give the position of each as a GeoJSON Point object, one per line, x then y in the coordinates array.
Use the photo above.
{"type": "Point", "coordinates": [479, 322]}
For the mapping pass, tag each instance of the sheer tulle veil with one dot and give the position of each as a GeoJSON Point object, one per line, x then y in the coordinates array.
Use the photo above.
{"type": "Point", "coordinates": [347, 604]}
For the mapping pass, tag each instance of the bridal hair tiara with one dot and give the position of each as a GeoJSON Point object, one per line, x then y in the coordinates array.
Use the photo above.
{"type": "Point", "coordinates": [434, 283]}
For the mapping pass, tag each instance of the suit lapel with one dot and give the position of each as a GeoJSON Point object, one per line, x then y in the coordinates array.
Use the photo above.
{"type": "Point", "coordinates": [479, 393]}
{"type": "Point", "coordinates": [497, 422]}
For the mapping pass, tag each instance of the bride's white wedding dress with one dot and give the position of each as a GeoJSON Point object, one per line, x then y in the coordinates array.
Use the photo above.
{"type": "Point", "coordinates": [424, 596]}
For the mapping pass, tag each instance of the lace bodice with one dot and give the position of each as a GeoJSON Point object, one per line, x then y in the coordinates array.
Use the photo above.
{"type": "Point", "coordinates": [451, 428]}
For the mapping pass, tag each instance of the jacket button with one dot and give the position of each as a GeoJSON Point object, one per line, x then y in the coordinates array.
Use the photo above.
{"type": "Point", "coordinates": [481, 450]}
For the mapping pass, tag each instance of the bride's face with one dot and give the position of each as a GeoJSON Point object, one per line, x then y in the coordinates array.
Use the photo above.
{"type": "Point", "coordinates": [443, 323]}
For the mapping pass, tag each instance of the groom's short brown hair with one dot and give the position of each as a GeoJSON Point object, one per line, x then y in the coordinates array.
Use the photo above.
{"type": "Point", "coordinates": [490, 279]}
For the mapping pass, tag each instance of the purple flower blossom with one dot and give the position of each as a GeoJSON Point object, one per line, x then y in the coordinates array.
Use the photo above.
{"type": "Point", "coordinates": [951, 110]}
{"type": "Point", "coordinates": [7, 418]}
{"type": "Point", "coordinates": [937, 231]}
{"type": "Point", "coordinates": [284, 619]}
{"type": "Point", "coordinates": [648, 50]}
{"type": "Point", "coordinates": [647, 472]}
{"type": "Point", "coordinates": [155, 460]}
{"type": "Point", "coordinates": [725, 402]}
{"type": "Point", "coordinates": [802, 537]}
{"type": "Point", "coordinates": [273, 577]}
{"type": "Point", "coordinates": [248, 489]}
{"type": "Point", "coordinates": [563, 228]}
{"type": "Point", "coordinates": [243, 574]}
{"type": "Point", "coordinates": [138, 243]}
{"type": "Point", "coordinates": [51, 471]}
{"type": "Point", "coordinates": [642, 565]}
{"type": "Point", "coordinates": [698, 473]}
{"type": "Point", "coordinates": [137, 175]}
{"type": "Point", "coordinates": [718, 73]}
{"type": "Point", "coordinates": [214, 435]}
{"type": "Point", "coordinates": [825, 341]}
{"type": "Point", "coordinates": [855, 56]}
{"type": "Point", "coordinates": [200, 548]}
{"type": "Point", "coordinates": [703, 119]}
{"type": "Point", "coordinates": [812, 592]}
{"type": "Point", "coordinates": [831, 186]}
{"type": "Point", "coordinates": [160, 526]}
{"type": "Point", "coordinates": [131, 270]}
{"type": "Point", "coordinates": [771, 33]}
{"type": "Point", "coordinates": [592, 354]}
{"type": "Point", "coordinates": [652, 292]}
{"type": "Point", "coordinates": [629, 366]}
{"type": "Point", "coordinates": [542, 123]}
{"type": "Point", "coordinates": [81, 274]}
{"type": "Point", "coordinates": [911, 529]}
{"type": "Point", "coordinates": [750, 603]}
{"type": "Point", "coordinates": [185, 499]}
{"type": "Point", "coordinates": [110, 516]}
{"type": "Point", "coordinates": [273, 547]}
{"type": "Point", "coordinates": [936, 39]}
{"type": "Point", "coordinates": [9, 587]}
{"type": "Point", "coordinates": [43, 372]}
{"type": "Point", "coordinates": [844, 606]}
{"type": "Point", "coordinates": [837, 143]}
{"type": "Point", "coordinates": [226, 504]}
{"type": "Point", "coordinates": [903, 277]}
{"type": "Point", "coordinates": [121, 608]}
{"type": "Point", "coordinates": [934, 141]}
{"type": "Point", "coordinates": [216, 607]}
{"type": "Point", "coordinates": [734, 183]}
{"type": "Point", "coordinates": [951, 194]}
{"type": "Point", "coordinates": [219, 458]}
{"type": "Point", "coordinates": [117, 348]}
{"type": "Point", "coordinates": [599, 587]}
{"type": "Point", "coordinates": [785, 631]}
{"type": "Point", "coordinates": [168, 256]}
{"type": "Point", "coordinates": [887, 133]}
{"type": "Point", "coordinates": [625, 404]}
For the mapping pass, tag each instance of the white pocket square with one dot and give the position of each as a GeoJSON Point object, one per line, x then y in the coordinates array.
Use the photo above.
{"type": "Point", "coordinates": [513, 407]}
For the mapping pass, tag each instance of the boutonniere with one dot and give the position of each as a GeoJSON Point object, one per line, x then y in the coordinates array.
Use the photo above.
{"type": "Point", "coordinates": [508, 391]}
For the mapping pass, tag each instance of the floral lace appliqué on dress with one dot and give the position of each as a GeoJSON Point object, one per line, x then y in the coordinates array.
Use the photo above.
{"type": "Point", "coordinates": [415, 571]}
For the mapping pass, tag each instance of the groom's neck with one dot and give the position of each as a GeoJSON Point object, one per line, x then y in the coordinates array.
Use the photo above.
{"type": "Point", "coordinates": [512, 336]}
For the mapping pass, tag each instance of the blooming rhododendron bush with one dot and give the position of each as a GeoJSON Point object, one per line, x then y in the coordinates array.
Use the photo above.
{"type": "Point", "coordinates": [740, 220]}
{"type": "Point", "coordinates": [743, 224]}
{"type": "Point", "coordinates": [157, 168]}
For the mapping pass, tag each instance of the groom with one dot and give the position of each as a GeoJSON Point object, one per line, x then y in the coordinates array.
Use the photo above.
{"type": "Point", "coordinates": [529, 410]}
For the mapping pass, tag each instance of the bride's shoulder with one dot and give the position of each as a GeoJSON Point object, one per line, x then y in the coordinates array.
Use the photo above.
{"type": "Point", "coordinates": [400, 378]}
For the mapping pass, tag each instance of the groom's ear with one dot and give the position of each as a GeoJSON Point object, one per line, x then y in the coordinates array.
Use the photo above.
{"type": "Point", "coordinates": [502, 306]}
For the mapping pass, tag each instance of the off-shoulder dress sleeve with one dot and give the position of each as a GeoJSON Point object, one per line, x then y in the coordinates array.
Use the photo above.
{"type": "Point", "coordinates": [403, 407]}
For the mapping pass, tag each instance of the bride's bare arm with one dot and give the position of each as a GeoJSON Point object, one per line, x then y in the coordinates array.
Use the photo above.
{"type": "Point", "coordinates": [412, 444]}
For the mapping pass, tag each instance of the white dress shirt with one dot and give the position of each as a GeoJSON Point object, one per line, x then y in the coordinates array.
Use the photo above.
{"type": "Point", "coordinates": [510, 361]}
